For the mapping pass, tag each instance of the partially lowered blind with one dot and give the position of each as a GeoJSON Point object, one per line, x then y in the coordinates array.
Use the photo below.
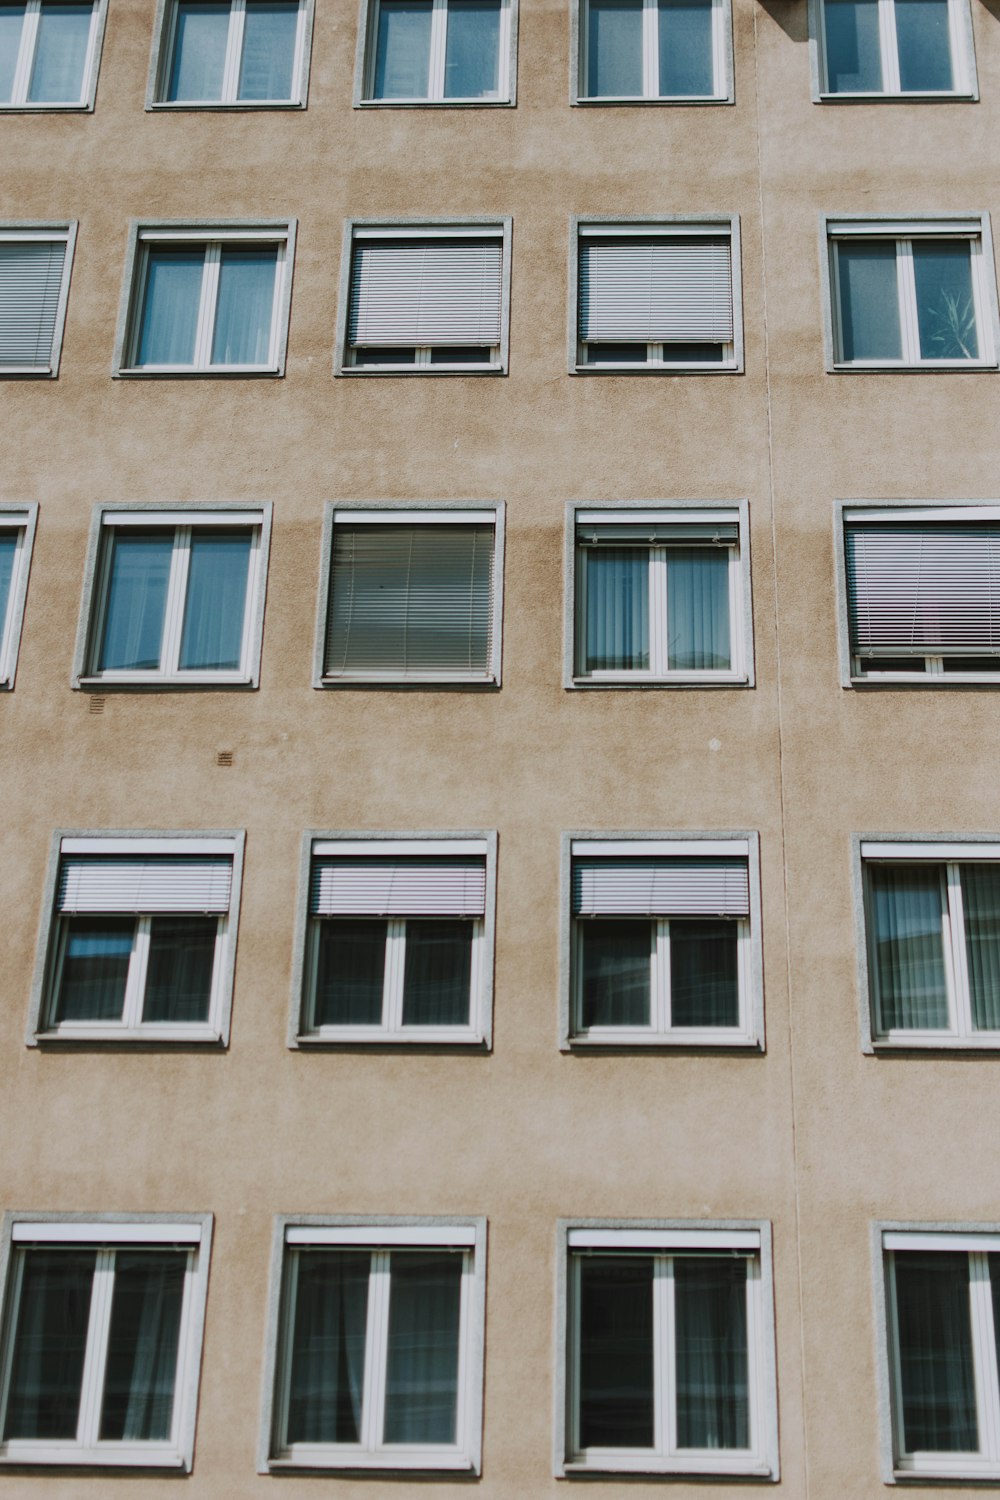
{"type": "Point", "coordinates": [933, 588]}
{"type": "Point", "coordinates": [438, 292]}
{"type": "Point", "coordinates": [657, 290]}
{"type": "Point", "coordinates": [665, 534]}
{"type": "Point", "coordinates": [398, 887]}
{"type": "Point", "coordinates": [182, 883]}
{"type": "Point", "coordinates": [30, 281]}
{"type": "Point", "coordinates": [410, 601]}
{"type": "Point", "coordinates": [659, 887]}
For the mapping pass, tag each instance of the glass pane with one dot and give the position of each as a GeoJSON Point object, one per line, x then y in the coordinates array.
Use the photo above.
{"type": "Point", "coordinates": [617, 628]}
{"type": "Point", "coordinates": [869, 304]}
{"type": "Point", "coordinates": [853, 55]}
{"type": "Point", "coordinates": [616, 1351]}
{"type": "Point", "coordinates": [244, 311]}
{"type": "Point", "coordinates": [421, 1389]}
{"type": "Point", "coordinates": [95, 968]}
{"type": "Point", "coordinates": [614, 48]}
{"type": "Point", "coordinates": [138, 1403]}
{"type": "Point", "coordinates": [11, 22]}
{"type": "Point", "coordinates": [199, 61]}
{"type": "Point", "coordinates": [50, 1342]}
{"type": "Point", "coordinates": [270, 30]}
{"type": "Point", "coordinates": [704, 988]}
{"type": "Point", "coordinates": [616, 354]}
{"type": "Point", "coordinates": [350, 972]}
{"type": "Point", "coordinates": [698, 631]}
{"type": "Point", "coordinates": [181, 964]}
{"type": "Point", "coordinates": [935, 1352]}
{"type": "Point", "coordinates": [169, 320]}
{"type": "Point", "coordinates": [437, 975]}
{"type": "Point", "coordinates": [615, 962]}
{"type": "Point", "coordinates": [326, 1385]}
{"type": "Point", "coordinates": [214, 611]}
{"type": "Point", "coordinates": [456, 354]}
{"type": "Point", "coordinates": [60, 54]}
{"type": "Point", "coordinates": [686, 66]}
{"type": "Point", "coordinates": [982, 663]}
{"type": "Point", "coordinates": [8, 552]}
{"type": "Point", "coordinates": [907, 946]}
{"type": "Point", "coordinates": [924, 45]}
{"type": "Point", "coordinates": [713, 1407]}
{"type": "Point", "coordinates": [946, 312]}
{"type": "Point", "coordinates": [693, 354]}
{"type": "Point", "coordinates": [472, 52]}
{"type": "Point", "coordinates": [981, 901]}
{"type": "Point", "coordinates": [386, 356]}
{"type": "Point", "coordinates": [403, 51]}
{"type": "Point", "coordinates": [137, 601]}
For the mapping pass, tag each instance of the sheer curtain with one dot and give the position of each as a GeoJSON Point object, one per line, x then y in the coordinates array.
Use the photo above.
{"type": "Point", "coordinates": [60, 53]}
{"type": "Point", "coordinates": [614, 48]}
{"type": "Point", "coordinates": [869, 300]}
{"type": "Point", "coordinates": [137, 601]}
{"type": "Point", "coordinates": [350, 972]}
{"type": "Point", "coordinates": [421, 1397]}
{"type": "Point", "coordinates": [437, 973]}
{"type": "Point", "coordinates": [402, 58]}
{"type": "Point", "coordinates": [472, 51]}
{"type": "Point", "coordinates": [616, 966]}
{"type": "Point", "coordinates": [686, 47]}
{"type": "Point", "coordinates": [924, 45]}
{"type": "Point", "coordinates": [50, 1342]}
{"type": "Point", "coordinates": [616, 1351]}
{"type": "Point", "coordinates": [907, 915]}
{"type": "Point", "coordinates": [95, 968]}
{"type": "Point", "coordinates": [244, 310]}
{"type": "Point", "coordinates": [946, 315]}
{"type": "Point", "coordinates": [215, 608]}
{"type": "Point", "coordinates": [617, 636]}
{"type": "Point", "coordinates": [270, 28]}
{"type": "Point", "coordinates": [933, 1324]}
{"type": "Point", "coordinates": [181, 964]}
{"type": "Point", "coordinates": [698, 631]}
{"type": "Point", "coordinates": [981, 901]}
{"type": "Point", "coordinates": [141, 1372]}
{"type": "Point", "coordinates": [170, 307]}
{"type": "Point", "coordinates": [201, 37]}
{"type": "Point", "coordinates": [710, 1317]}
{"type": "Point", "coordinates": [328, 1351]}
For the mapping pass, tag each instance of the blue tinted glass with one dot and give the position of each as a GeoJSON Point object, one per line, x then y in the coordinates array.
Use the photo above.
{"type": "Point", "coordinates": [853, 58]}
{"type": "Point", "coordinates": [472, 53]}
{"type": "Point", "coordinates": [946, 313]}
{"type": "Point", "coordinates": [216, 601]}
{"type": "Point", "coordinates": [60, 54]}
{"type": "Point", "coordinates": [617, 638]}
{"type": "Point", "coordinates": [402, 57]}
{"type": "Point", "coordinates": [8, 551]}
{"type": "Point", "coordinates": [698, 609]}
{"type": "Point", "coordinates": [202, 30]}
{"type": "Point", "coordinates": [269, 33]}
{"type": "Point", "coordinates": [614, 49]}
{"type": "Point", "coordinates": [170, 307]}
{"type": "Point", "coordinates": [924, 45]}
{"type": "Point", "coordinates": [686, 48]}
{"type": "Point", "coordinates": [869, 305]}
{"type": "Point", "coordinates": [137, 598]}
{"type": "Point", "coordinates": [245, 307]}
{"type": "Point", "coordinates": [11, 21]}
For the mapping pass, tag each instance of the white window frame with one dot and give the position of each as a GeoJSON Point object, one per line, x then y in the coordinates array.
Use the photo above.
{"type": "Point", "coordinates": [45, 233]}
{"type": "Point", "coordinates": [722, 59]}
{"type": "Point", "coordinates": [963, 59]}
{"type": "Point", "coordinates": [364, 97]}
{"type": "Point", "coordinates": [973, 228]}
{"type": "Point", "coordinates": [19, 102]}
{"type": "Point", "coordinates": [161, 65]}
{"type": "Point", "coordinates": [21, 520]}
{"type": "Point", "coordinates": [109, 1232]}
{"type": "Point", "coordinates": [42, 1027]}
{"type": "Point", "coordinates": [186, 521]}
{"type": "Point", "coordinates": [381, 1235]}
{"type": "Point", "coordinates": [665, 1239]}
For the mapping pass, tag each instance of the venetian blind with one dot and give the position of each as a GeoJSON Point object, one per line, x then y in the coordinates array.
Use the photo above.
{"type": "Point", "coordinates": [171, 883]}
{"type": "Point", "coordinates": [670, 290]}
{"type": "Point", "coordinates": [435, 292]}
{"type": "Point", "coordinates": [399, 886]}
{"type": "Point", "coordinates": [660, 887]}
{"type": "Point", "coordinates": [935, 588]}
{"type": "Point", "coordinates": [30, 281]}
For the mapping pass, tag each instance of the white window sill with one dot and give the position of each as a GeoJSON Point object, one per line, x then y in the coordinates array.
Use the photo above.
{"type": "Point", "coordinates": [434, 104]}
{"type": "Point", "coordinates": [708, 1037]}
{"type": "Point", "coordinates": [101, 1031]}
{"type": "Point", "coordinates": [424, 1036]}
{"type": "Point", "coordinates": [972, 1469]}
{"type": "Point", "coordinates": [42, 372]}
{"type": "Point", "coordinates": [410, 679]}
{"type": "Point", "coordinates": [927, 679]}
{"type": "Point", "coordinates": [617, 101]}
{"type": "Point", "coordinates": [239, 105]}
{"type": "Point", "coordinates": [941, 96]}
{"type": "Point", "coordinates": [166, 680]}
{"type": "Point", "coordinates": [923, 367]}
{"type": "Point", "coordinates": [647, 680]}
{"type": "Point", "coordinates": [187, 372]}
{"type": "Point", "coordinates": [936, 1041]}
{"type": "Point", "coordinates": [687, 1463]}
{"type": "Point", "coordinates": [117, 1456]}
{"type": "Point", "coordinates": [706, 368]}
{"type": "Point", "coordinates": [424, 372]}
{"type": "Point", "coordinates": [79, 106]}
{"type": "Point", "coordinates": [429, 1461]}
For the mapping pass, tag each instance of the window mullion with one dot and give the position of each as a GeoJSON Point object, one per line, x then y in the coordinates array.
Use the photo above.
{"type": "Point", "coordinates": [234, 52]}
{"type": "Point", "coordinates": [659, 654]}
{"type": "Point", "coordinates": [907, 289]}
{"type": "Point", "coordinates": [438, 43]}
{"type": "Point", "coordinates": [661, 1007]}
{"type": "Point", "coordinates": [180, 559]}
{"type": "Point", "coordinates": [650, 50]}
{"type": "Point", "coordinates": [206, 309]}
{"type": "Point", "coordinates": [95, 1358]}
{"type": "Point", "coordinates": [980, 299]}
{"type": "Point", "coordinates": [889, 45]}
{"type": "Point", "coordinates": [665, 1436]}
{"type": "Point", "coordinates": [719, 47]}
{"type": "Point", "coordinates": [249, 608]}
{"type": "Point", "coordinates": [376, 1352]}
{"type": "Point", "coordinates": [962, 1013]}
{"type": "Point", "coordinates": [138, 968]}
{"type": "Point", "coordinates": [984, 1353]}
{"type": "Point", "coordinates": [395, 968]}
{"type": "Point", "coordinates": [26, 53]}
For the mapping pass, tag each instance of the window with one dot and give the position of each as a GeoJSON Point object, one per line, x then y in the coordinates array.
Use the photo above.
{"type": "Point", "coordinates": [933, 920]}
{"type": "Point", "coordinates": [208, 302]}
{"type": "Point", "coordinates": [913, 48]}
{"type": "Point", "coordinates": [910, 294]}
{"type": "Point", "coordinates": [942, 1303]}
{"type": "Point", "coordinates": [412, 596]}
{"type": "Point", "coordinates": [48, 53]}
{"type": "Point", "coordinates": [669, 1350]}
{"type": "Point", "coordinates": [102, 1340]}
{"type": "Point", "coordinates": [34, 283]}
{"type": "Point", "coordinates": [439, 52]}
{"type": "Point", "coordinates": [426, 298]}
{"type": "Point", "coordinates": [249, 53]}
{"type": "Point", "coordinates": [661, 597]}
{"type": "Point", "coordinates": [141, 941]}
{"type": "Point", "coordinates": [660, 948]}
{"type": "Point", "coordinates": [378, 1356]}
{"type": "Point", "coordinates": [923, 594]}
{"type": "Point", "coordinates": [17, 535]}
{"type": "Point", "coordinates": [658, 296]}
{"type": "Point", "coordinates": [399, 941]}
{"type": "Point", "coordinates": [656, 50]}
{"type": "Point", "coordinates": [175, 598]}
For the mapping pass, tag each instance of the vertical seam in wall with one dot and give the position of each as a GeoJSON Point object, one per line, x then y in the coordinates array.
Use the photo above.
{"type": "Point", "coordinates": [781, 761]}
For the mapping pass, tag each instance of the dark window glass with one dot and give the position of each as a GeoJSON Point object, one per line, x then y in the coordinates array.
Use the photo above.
{"type": "Point", "coordinates": [616, 1351]}
{"type": "Point", "coordinates": [181, 964]}
{"type": "Point", "coordinates": [350, 972]}
{"type": "Point", "coordinates": [421, 1393]}
{"type": "Point", "coordinates": [50, 1341]}
{"type": "Point", "coordinates": [437, 974]}
{"type": "Point", "coordinates": [385, 356]}
{"type": "Point", "coordinates": [141, 1373]}
{"type": "Point", "coordinates": [327, 1380]}
{"type": "Point", "coordinates": [934, 1329]}
{"type": "Point", "coordinates": [95, 968]}
{"type": "Point", "coordinates": [704, 989]}
{"type": "Point", "coordinates": [615, 960]}
{"type": "Point", "coordinates": [710, 1299]}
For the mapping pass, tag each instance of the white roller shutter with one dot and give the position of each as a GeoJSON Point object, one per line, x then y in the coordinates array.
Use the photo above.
{"type": "Point", "coordinates": [670, 290]}
{"type": "Point", "coordinates": [144, 885]}
{"type": "Point", "coordinates": [931, 588]}
{"type": "Point", "coordinates": [436, 887]}
{"type": "Point", "coordinates": [650, 887]}
{"type": "Point", "coordinates": [31, 273]}
{"type": "Point", "coordinates": [435, 292]}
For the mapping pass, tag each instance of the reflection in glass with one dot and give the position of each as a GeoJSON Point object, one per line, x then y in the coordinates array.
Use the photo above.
{"type": "Point", "coordinates": [244, 308]}
{"type": "Point", "coordinates": [95, 968]}
{"type": "Point", "coordinates": [946, 311]}
{"type": "Point", "coordinates": [924, 45]}
{"type": "Point", "coordinates": [169, 321]}
{"type": "Point", "coordinates": [60, 53]}
{"type": "Point", "coordinates": [421, 1393]}
{"type": "Point", "coordinates": [853, 53]}
{"type": "Point", "coordinates": [267, 62]}
{"type": "Point", "coordinates": [614, 49]}
{"type": "Point", "coordinates": [136, 601]}
{"type": "Point", "coordinates": [201, 34]}
{"type": "Point", "coordinates": [50, 1341]}
{"type": "Point", "coordinates": [869, 302]}
{"type": "Point", "coordinates": [686, 69]}
{"type": "Point", "coordinates": [403, 50]}
{"type": "Point", "coordinates": [215, 608]}
{"type": "Point", "coordinates": [472, 51]}
{"type": "Point", "coordinates": [141, 1372]}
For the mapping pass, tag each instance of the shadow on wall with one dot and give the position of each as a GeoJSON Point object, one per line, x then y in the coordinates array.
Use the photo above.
{"type": "Point", "coordinates": [793, 18]}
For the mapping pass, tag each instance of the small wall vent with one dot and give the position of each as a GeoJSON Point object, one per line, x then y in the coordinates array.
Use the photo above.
{"type": "Point", "coordinates": [97, 703]}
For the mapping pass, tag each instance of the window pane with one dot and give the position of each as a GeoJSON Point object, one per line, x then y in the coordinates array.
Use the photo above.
{"type": "Point", "coordinates": [350, 973]}
{"type": "Point", "coordinates": [421, 1391]}
{"type": "Point", "coordinates": [614, 43]}
{"type": "Point", "coordinates": [50, 1341]}
{"type": "Point", "coordinates": [202, 32]}
{"type": "Point", "coordinates": [403, 53]}
{"type": "Point", "coordinates": [8, 552]}
{"type": "Point", "coordinates": [245, 307]}
{"type": "Point", "coordinates": [387, 356]}
{"type": "Point", "coordinates": [214, 611]}
{"type": "Point", "coordinates": [269, 35]}
{"type": "Point", "coordinates": [946, 311]}
{"type": "Point", "coordinates": [935, 1353]}
{"type": "Point", "coordinates": [907, 917]}
{"type": "Point", "coordinates": [617, 629]}
{"type": "Point", "coordinates": [137, 601]}
{"type": "Point", "coordinates": [869, 305]}
{"type": "Point", "coordinates": [713, 1409]}
{"type": "Point", "coordinates": [455, 354]}
{"type": "Point", "coordinates": [170, 309]}
{"type": "Point", "coordinates": [704, 988]}
{"type": "Point", "coordinates": [924, 44]}
{"type": "Point", "coordinates": [141, 1373]}
{"type": "Point", "coordinates": [60, 54]}
{"type": "Point", "coordinates": [616, 354]}
{"type": "Point", "coordinates": [616, 1351]}
{"type": "Point", "coordinates": [686, 66]}
{"type": "Point", "coordinates": [981, 901]}
{"type": "Point", "coordinates": [698, 632]}
{"type": "Point", "coordinates": [615, 961]}
{"type": "Point", "coordinates": [472, 53]}
{"type": "Point", "coordinates": [181, 964]}
{"type": "Point", "coordinates": [11, 22]}
{"type": "Point", "coordinates": [853, 56]}
{"type": "Point", "coordinates": [328, 1347]}
{"type": "Point", "coordinates": [437, 976]}
{"type": "Point", "coordinates": [95, 968]}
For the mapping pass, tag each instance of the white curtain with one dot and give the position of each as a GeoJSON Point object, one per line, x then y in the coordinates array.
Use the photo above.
{"type": "Point", "coordinates": [472, 53]}
{"type": "Point", "coordinates": [215, 607]}
{"type": "Point", "coordinates": [617, 632]}
{"type": "Point", "coordinates": [199, 60]}
{"type": "Point", "coordinates": [421, 1399]}
{"type": "Point", "coordinates": [907, 907]}
{"type": "Point", "coordinates": [137, 601]}
{"type": "Point", "coordinates": [60, 54]}
{"type": "Point", "coordinates": [402, 58]}
{"type": "Point", "coordinates": [614, 48]}
{"type": "Point", "coordinates": [245, 306]}
{"type": "Point", "coordinates": [170, 307]}
{"type": "Point", "coordinates": [698, 632]}
{"type": "Point", "coordinates": [269, 32]}
{"type": "Point", "coordinates": [328, 1353]}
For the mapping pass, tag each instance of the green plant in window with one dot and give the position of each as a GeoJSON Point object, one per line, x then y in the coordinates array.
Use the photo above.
{"type": "Point", "coordinates": [952, 327]}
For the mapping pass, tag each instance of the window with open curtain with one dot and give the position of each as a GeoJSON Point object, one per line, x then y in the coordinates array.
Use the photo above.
{"type": "Point", "coordinates": [327, 1367]}
{"type": "Point", "coordinates": [141, 1370]}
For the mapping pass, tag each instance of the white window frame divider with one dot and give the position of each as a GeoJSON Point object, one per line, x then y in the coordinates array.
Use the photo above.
{"type": "Point", "coordinates": [22, 520]}
{"type": "Point", "coordinates": [45, 231]}
{"type": "Point", "coordinates": [963, 60]}
{"type": "Point", "coordinates": [365, 62]}
{"type": "Point", "coordinates": [722, 60]}
{"type": "Point", "coordinates": [162, 56]}
{"type": "Point", "coordinates": [19, 103]}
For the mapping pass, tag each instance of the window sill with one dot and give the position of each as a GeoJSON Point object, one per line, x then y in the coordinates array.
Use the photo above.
{"type": "Point", "coordinates": [927, 680]}
{"type": "Point", "coordinates": [69, 1456]}
{"type": "Point", "coordinates": [187, 372]}
{"type": "Point", "coordinates": [927, 367]}
{"type": "Point", "coordinates": [383, 1463]}
{"type": "Point", "coordinates": [714, 1041]}
{"type": "Point", "coordinates": [361, 1036]}
{"type": "Point", "coordinates": [692, 369]}
{"type": "Point", "coordinates": [75, 107]}
{"type": "Point", "coordinates": [943, 97]}
{"type": "Point", "coordinates": [434, 104]}
{"type": "Point", "coordinates": [423, 372]}
{"type": "Point", "coordinates": [633, 681]}
{"type": "Point", "coordinates": [202, 1036]}
{"type": "Point", "coordinates": [938, 1042]}
{"type": "Point", "coordinates": [681, 1467]}
{"type": "Point", "coordinates": [442, 680]}
{"type": "Point", "coordinates": [971, 1473]}
{"type": "Point", "coordinates": [238, 106]}
{"type": "Point", "coordinates": [39, 372]}
{"type": "Point", "coordinates": [146, 682]}
{"type": "Point", "coordinates": [671, 100]}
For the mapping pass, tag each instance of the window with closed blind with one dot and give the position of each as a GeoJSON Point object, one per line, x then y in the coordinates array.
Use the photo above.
{"type": "Point", "coordinates": [141, 939]}
{"type": "Point", "coordinates": [657, 295]}
{"type": "Point", "coordinates": [35, 265]}
{"type": "Point", "coordinates": [17, 536]}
